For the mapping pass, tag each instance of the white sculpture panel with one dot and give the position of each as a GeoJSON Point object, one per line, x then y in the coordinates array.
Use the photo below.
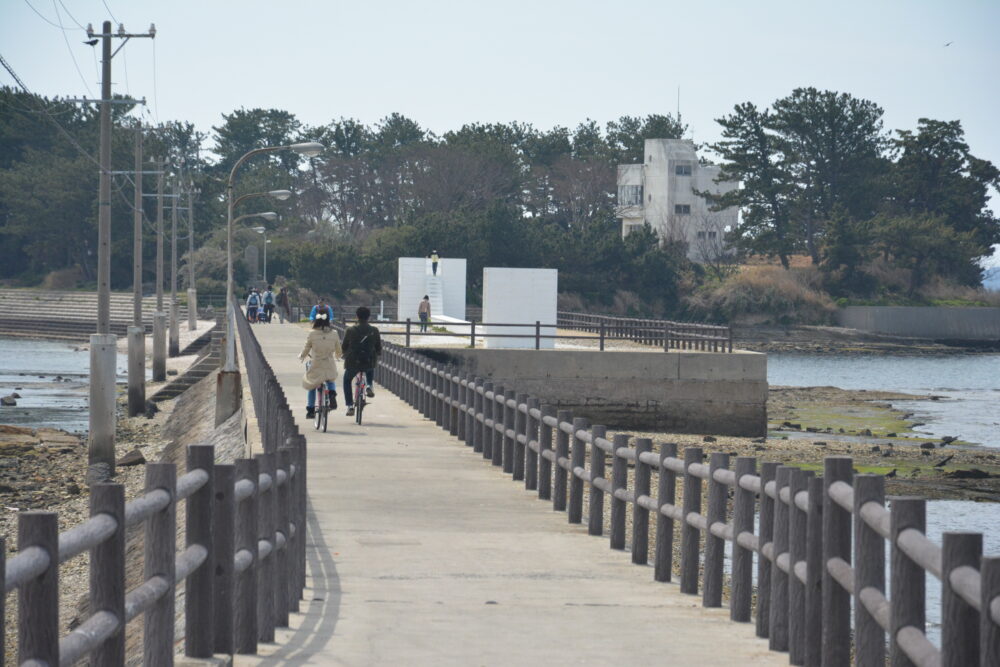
{"type": "Point", "coordinates": [520, 296]}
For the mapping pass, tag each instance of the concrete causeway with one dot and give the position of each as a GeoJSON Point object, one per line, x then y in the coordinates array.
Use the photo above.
{"type": "Point", "coordinates": [422, 553]}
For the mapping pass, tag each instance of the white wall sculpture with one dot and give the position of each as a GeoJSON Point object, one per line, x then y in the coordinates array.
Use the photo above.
{"type": "Point", "coordinates": [447, 289]}
{"type": "Point", "coordinates": [519, 296]}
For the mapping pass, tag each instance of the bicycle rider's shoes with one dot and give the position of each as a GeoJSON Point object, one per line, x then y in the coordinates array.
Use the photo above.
{"type": "Point", "coordinates": [350, 411]}
{"type": "Point", "coordinates": [333, 399]}
{"type": "Point", "coordinates": [310, 412]}
{"type": "Point", "coordinates": [369, 392]}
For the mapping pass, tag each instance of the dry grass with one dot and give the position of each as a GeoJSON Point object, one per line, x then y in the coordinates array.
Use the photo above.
{"type": "Point", "coordinates": [767, 295]}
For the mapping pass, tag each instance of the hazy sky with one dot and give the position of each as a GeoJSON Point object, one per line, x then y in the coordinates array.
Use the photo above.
{"type": "Point", "coordinates": [544, 62]}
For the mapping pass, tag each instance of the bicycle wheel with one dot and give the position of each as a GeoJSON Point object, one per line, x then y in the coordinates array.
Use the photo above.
{"type": "Point", "coordinates": [359, 399]}
{"type": "Point", "coordinates": [318, 418]}
{"type": "Point", "coordinates": [326, 408]}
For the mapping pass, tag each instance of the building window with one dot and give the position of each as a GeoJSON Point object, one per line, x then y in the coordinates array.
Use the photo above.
{"type": "Point", "coordinates": [683, 170]}
{"type": "Point", "coordinates": [650, 197]}
{"type": "Point", "coordinates": [630, 195]}
{"type": "Point", "coordinates": [682, 209]}
{"type": "Point", "coordinates": [701, 235]}
{"type": "Point", "coordinates": [711, 235]}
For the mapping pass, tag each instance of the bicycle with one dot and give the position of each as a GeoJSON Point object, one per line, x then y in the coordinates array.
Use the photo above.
{"type": "Point", "coordinates": [322, 407]}
{"type": "Point", "coordinates": [360, 390]}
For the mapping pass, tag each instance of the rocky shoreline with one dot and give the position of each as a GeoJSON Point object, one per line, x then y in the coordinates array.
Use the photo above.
{"type": "Point", "coordinates": [840, 340]}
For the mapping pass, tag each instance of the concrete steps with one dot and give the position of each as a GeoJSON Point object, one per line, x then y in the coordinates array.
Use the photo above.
{"type": "Point", "coordinates": [66, 314]}
{"type": "Point", "coordinates": [436, 293]}
{"type": "Point", "coordinates": [208, 345]}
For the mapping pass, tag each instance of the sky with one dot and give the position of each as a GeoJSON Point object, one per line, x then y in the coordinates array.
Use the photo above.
{"type": "Point", "coordinates": [545, 62]}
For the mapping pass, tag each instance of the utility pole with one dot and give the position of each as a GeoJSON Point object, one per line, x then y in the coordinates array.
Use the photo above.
{"type": "Point", "coordinates": [104, 344]}
{"type": "Point", "coordinates": [192, 290]}
{"type": "Point", "coordinates": [136, 332]}
{"type": "Point", "coordinates": [174, 348]}
{"type": "Point", "coordinates": [159, 317]}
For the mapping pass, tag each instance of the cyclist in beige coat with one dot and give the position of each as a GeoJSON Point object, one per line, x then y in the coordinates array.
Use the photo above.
{"type": "Point", "coordinates": [323, 345]}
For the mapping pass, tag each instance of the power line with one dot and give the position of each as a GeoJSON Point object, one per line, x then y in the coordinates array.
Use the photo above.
{"type": "Point", "coordinates": [69, 48]}
{"type": "Point", "coordinates": [110, 12]}
{"type": "Point", "coordinates": [42, 109]}
{"type": "Point", "coordinates": [41, 16]}
{"type": "Point", "coordinates": [78, 24]}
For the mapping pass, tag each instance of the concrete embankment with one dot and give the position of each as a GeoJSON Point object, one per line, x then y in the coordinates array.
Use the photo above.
{"type": "Point", "coordinates": [957, 324]}
{"type": "Point", "coordinates": [679, 391]}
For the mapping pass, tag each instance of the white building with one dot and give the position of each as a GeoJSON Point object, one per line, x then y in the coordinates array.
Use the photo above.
{"type": "Point", "coordinates": [661, 191]}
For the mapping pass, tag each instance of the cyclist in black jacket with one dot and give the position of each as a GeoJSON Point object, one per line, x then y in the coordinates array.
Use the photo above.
{"type": "Point", "coordinates": [362, 346]}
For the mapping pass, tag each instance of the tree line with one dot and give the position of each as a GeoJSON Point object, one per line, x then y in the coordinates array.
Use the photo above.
{"type": "Point", "coordinates": [821, 176]}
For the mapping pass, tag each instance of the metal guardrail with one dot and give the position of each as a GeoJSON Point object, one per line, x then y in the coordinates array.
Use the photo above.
{"type": "Point", "coordinates": [242, 560]}
{"type": "Point", "coordinates": [821, 542]}
{"type": "Point", "coordinates": [662, 333]}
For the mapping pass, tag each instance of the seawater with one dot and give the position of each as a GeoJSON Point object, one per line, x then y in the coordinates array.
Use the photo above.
{"type": "Point", "coordinates": [968, 387]}
{"type": "Point", "coordinates": [969, 407]}
{"type": "Point", "coordinates": [30, 367]}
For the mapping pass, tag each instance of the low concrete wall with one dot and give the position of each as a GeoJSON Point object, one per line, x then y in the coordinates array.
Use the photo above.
{"type": "Point", "coordinates": [924, 322]}
{"type": "Point", "coordinates": [677, 391]}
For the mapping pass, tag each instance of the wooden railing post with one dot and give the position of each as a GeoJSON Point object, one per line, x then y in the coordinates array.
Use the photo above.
{"type": "Point", "coordinates": [836, 544]}
{"type": "Point", "coordinates": [666, 494]}
{"type": "Point", "coordinates": [509, 419]}
{"type": "Point", "coordinates": [595, 524]}
{"type": "Point", "coordinates": [907, 589]}
{"type": "Point", "coordinates": [742, 568]}
{"type": "Point", "coordinates": [463, 403]}
{"type": "Point", "coordinates": [640, 515]}
{"type": "Point", "coordinates": [477, 412]}
{"type": "Point", "coordinates": [619, 480]}
{"type": "Point", "coordinates": [715, 547]}
{"type": "Point", "coordinates": [38, 600]}
{"type": "Point", "coordinates": [869, 571]}
{"type": "Point", "coordinates": [408, 329]}
{"type": "Point", "coordinates": [282, 562]}
{"type": "Point", "coordinates": [538, 335]}
{"type": "Point", "coordinates": [107, 571]}
{"type": "Point", "coordinates": [531, 456]}
{"type": "Point", "coordinates": [472, 333]}
{"type": "Point", "coordinates": [959, 619]}
{"type": "Point", "coordinates": [765, 568]}
{"type": "Point", "coordinates": [199, 615]}
{"type": "Point", "coordinates": [245, 622]}
{"type": "Point", "coordinates": [602, 337]}
{"type": "Point", "coordinates": [989, 631]}
{"type": "Point", "coordinates": [562, 452]}
{"type": "Point", "coordinates": [486, 430]}
{"type": "Point", "coordinates": [265, 566]}
{"type": "Point", "coordinates": [440, 401]}
{"type": "Point", "coordinates": [814, 574]}
{"type": "Point", "coordinates": [778, 637]}
{"type": "Point", "coordinates": [797, 553]}
{"type": "Point", "coordinates": [690, 536]}
{"type": "Point", "coordinates": [499, 423]}
{"type": "Point", "coordinates": [223, 538]}
{"type": "Point", "coordinates": [574, 513]}
{"type": "Point", "coordinates": [520, 431]}
{"type": "Point", "coordinates": [159, 549]}
{"type": "Point", "coordinates": [544, 445]}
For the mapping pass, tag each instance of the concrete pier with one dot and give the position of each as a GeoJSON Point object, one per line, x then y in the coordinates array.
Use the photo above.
{"type": "Point", "coordinates": [101, 438]}
{"type": "Point", "coordinates": [136, 371]}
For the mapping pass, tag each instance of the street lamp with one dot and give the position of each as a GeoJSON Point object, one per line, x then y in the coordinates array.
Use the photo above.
{"type": "Point", "coordinates": [308, 149]}
{"type": "Point", "coordinates": [263, 230]}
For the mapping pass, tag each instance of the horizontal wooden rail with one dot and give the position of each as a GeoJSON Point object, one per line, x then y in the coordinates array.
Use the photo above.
{"type": "Point", "coordinates": [822, 540]}
{"type": "Point", "coordinates": [234, 596]}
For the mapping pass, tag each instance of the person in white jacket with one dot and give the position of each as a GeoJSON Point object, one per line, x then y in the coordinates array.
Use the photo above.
{"type": "Point", "coordinates": [323, 345]}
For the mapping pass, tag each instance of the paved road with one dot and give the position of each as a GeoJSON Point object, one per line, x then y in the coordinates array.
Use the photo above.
{"type": "Point", "coordinates": [421, 553]}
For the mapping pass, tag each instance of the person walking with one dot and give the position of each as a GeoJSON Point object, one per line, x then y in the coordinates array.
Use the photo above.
{"type": "Point", "coordinates": [362, 347]}
{"type": "Point", "coordinates": [284, 308]}
{"type": "Point", "coordinates": [323, 345]}
{"type": "Point", "coordinates": [268, 300]}
{"type": "Point", "coordinates": [253, 302]}
{"type": "Point", "coordinates": [424, 311]}
{"type": "Point", "coordinates": [434, 262]}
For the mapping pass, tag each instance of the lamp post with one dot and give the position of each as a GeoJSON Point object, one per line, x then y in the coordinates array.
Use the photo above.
{"type": "Point", "coordinates": [263, 230]}
{"type": "Point", "coordinates": [309, 149]}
